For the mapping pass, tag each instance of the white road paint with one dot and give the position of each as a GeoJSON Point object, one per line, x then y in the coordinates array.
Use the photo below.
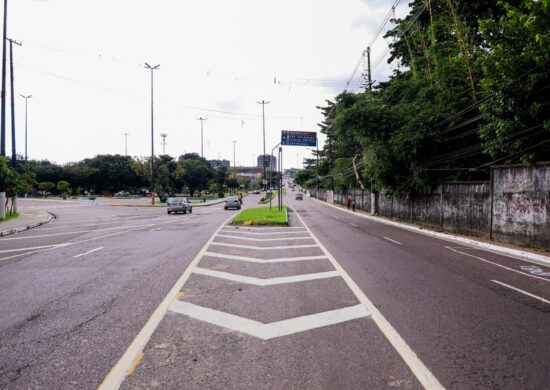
{"type": "Point", "coordinates": [265, 282]}
{"type": "Point", "coordinates": [260, 233]}
{"type": "Point", "coordinates": [498, 265]}
{"type": "Point", "coordinates": [86, 253]}
{"type": "Point", "coordinates": [389, 239]}
{"type": "Point", "coordinates": [521, 291]}
{"type": "Point", "coordinates": [260, 248]}
{"type": "Point", "coordinates": [418, 368]}
{"type": "Point", "coordinates": [74, 232]}
{"type": "Point", "coordinates": [354, 225]}
{"type": "Point", "coordinates": [264, 239]}
{"type": "Point", "coordinates": [533, 269]}
{"type": "Point", "coordinates": [154, 230]}
{"type": "Point", "coordinates": [271, 330]}
{"type": "Point", "coordinates": [264, 261]}
{"type": "Point", "coordinates": [116, 375]}
{"type": "Point", "coordinates": [33, 248]}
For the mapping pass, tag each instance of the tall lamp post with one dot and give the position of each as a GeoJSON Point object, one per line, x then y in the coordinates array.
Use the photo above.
{"type": "Point", "coordinates": [26, 121]}
{"type": "Point", "coordinates": [263, 103]}
{"type": "Point", "coordinates": [234, 164]}
{"type": "Point", "coordinates": [3, 112]}
{"type": "Point", "coordinates": [126, 143]}
{"type": "Point", "coordinates": [152, 68]}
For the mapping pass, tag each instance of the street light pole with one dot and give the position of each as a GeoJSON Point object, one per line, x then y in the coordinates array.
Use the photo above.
{"type": "Point", "coordinates": [152, 68]}
{"type": "Point", "coordinates": [263, 103]}
{"type": "Point", "coordinates": [202, 133]}
{"type": "Point", "coordinates": [164, 135]}
{"type": "Point", "coordinates": [13, 150]}
{"type": "Point", "coordinates": [126, 143]}
{"type": "Point", "coordinates": [26, 118]}
{"type": "Point", "coordinates": [3, 112]}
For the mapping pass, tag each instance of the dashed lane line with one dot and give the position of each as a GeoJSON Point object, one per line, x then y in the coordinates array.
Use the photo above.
{"type": "Point", "coordinates": [270, 330]}
{"type": "Point", "coordinates": [498, 265]}
{"type": "Point", "coordinates": [261, 248]}
{"type": "Point", "coordinates": [265, 282]}
{"type": "Point", "coordinates": [521, 291]}
{"type": "Point", "coordinates": [87, 253]}
{"type": "Point", "coordinates": [418, 368]}
{"type": "Point", "coordinates": [389, 239]}
{"type": "Point", "coordinates": [265, 261]}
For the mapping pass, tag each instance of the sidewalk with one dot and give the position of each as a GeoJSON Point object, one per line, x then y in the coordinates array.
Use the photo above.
{"type": "Point", "coordinates": [27, 219]}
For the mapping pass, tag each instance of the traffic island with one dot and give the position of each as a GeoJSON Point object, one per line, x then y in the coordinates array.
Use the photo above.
{"type": "Point", "coordinates": [262, 216]}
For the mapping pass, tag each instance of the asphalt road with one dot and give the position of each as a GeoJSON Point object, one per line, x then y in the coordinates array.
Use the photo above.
{"type": "Point", "coordinates": [333, 301]}
{"type": "Point", "coordinates": [75, 291]}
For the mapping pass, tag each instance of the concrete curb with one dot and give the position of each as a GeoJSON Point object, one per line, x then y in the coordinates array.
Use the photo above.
{"type": "Point", "coordinates": [517, 253]}
{"type": "Point", "coordinates": [27, 227]}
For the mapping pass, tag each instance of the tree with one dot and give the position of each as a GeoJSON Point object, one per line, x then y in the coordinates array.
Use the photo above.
{"type": "Point", "coordinates": [46, 186]}
{"type": "Point", "coordinates": [64, 187]}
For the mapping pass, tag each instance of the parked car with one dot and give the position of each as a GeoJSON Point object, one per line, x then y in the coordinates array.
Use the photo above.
{"type": "Point", "coordinates": [299, 197]}
{"type": "Point", "coordinates": [177, 204]}
{"type": "Point", "coordinates": [256, 192]}
{"type": "Point", "coordinates": [232, 202]}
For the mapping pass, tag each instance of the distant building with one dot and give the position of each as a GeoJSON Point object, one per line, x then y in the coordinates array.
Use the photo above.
{"type": "Point", "coordinates": [268, 161]}
{"type": "Point", "coordinates": [219, 163]}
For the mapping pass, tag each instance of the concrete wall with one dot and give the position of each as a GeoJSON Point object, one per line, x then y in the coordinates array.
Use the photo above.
{"type": "Point", "coordinates": [520, 205]}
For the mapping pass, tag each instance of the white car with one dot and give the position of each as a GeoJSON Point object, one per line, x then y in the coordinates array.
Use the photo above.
{"type": "Point", "coordinates": [177, 204]}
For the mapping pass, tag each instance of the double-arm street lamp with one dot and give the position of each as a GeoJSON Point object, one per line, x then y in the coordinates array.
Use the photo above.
{"type": "Point", "coordinates": [152, 68]}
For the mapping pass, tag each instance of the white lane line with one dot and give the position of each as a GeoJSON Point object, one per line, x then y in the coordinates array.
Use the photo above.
{"type": "Point", "coordinates": [498, 265]}
{"type": "Point", "coordinates": [521, 291]}
{"type": "Point", "coordinates": [261, 248]}
{"type": "Point", "coordinates": [354, 225]}
{"type": "Point", "coordinates": [75, 232]}
{"type": "Point", "coordinates": [86, 253]}
{"type": "Point", "coordinates": [87, 225]}
{"type": "Point", "coordinates": [389, 239]}
{"type": "Point", "coordinates": [271, 330]}
{"type": "Point", "coordinates": [264, 261]}
{"type": "Point", "coordinates": [32, 248]}
{"type": "Point", "coordinates": [154, 230]}
{"type": "Point", "coordinates": [264, 239]}
{"type": "Point", "coordinates": [116, 375]}
{"type": "Point", "coordinates": [258, 233]}
{"type": "Point", "coordinates": [419, 369]}
{"type": "Point", "coordinates": [265, 282]}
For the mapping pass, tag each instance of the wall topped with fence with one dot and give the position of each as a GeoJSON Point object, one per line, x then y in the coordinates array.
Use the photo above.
{"type": "Point", "coordinates": [514, 206]}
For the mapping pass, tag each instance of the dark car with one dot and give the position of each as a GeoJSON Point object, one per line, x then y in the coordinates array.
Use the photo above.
{"type": "Point", "coordinates": [299, 197]}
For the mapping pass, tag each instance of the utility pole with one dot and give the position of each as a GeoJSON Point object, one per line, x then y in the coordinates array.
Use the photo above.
{"type": "Point", "coordinates": [126, 143]}
{"type": "Point", "coordinates": [367, 78]}
{"type": "Point", "coordinates": [369, 69]}
{"type": "Point", "coordinates": [152, 69]}
{"type": "Point", "coordinates": [164, 135]}
{"type": "Point", "coordinates": [202, 133]}
{"type": "Point", "coordinates": [26, 118]}
{"type": "Point", "coordinates": [13, 150]}
{"type": "Point", "coordinates": [3, 183]}
{"type": "Point", "coordinates": [263, 103]}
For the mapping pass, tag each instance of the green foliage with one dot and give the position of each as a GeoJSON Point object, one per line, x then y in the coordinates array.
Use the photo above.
{"type": "Point", "coordinates": [262, 216]}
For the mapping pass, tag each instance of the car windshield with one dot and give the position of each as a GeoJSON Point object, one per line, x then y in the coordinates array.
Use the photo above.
{"type": "Point", "coordinates": [232, 198]}
{"type": "Point", "coordinates": [175, 200]}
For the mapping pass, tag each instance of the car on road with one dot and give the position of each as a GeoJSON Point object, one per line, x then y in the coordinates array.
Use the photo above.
{"type": "Point", "coordinates": [256, 192]}
{"type": "Point", "coordinates": [177, 204]}
{"type": "Point", "coordinates": [299, 197]}
{"type": "Point", "coordinates": [232, 202]}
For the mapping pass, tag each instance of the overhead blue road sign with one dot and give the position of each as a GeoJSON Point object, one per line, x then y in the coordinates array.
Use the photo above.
{"type": "Point", "coordinates": [298, 138]}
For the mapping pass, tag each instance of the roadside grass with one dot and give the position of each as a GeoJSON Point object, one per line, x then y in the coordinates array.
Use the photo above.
{"type": "Point", "coordinates": [266, 199]}
{"type": "Point", "coordinates": [261, 216]}
{"type": "Point", "coordinates": [9, 216]}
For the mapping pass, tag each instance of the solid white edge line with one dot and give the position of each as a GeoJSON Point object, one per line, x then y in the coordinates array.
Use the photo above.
{"type": "Point", "coordinates": [498, 265]}
{"type": "Point", "coordinates": [265, 282]}
{"type": "Point", "coordinates": [420, 371]}
{"type": "Point", "coordinates": [389, 239]}
{"type": "Point", "coordinates": [521, 291]}
{"type": "Point", "coordinates": [117, 373]}
{"type": "Point", "coordinates": [503, 251]}
{"type": "Point", "coordinates": [86, 253]}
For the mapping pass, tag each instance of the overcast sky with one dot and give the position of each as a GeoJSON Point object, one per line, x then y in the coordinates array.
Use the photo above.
{"type": "Point", "coordinates": [82, 62]}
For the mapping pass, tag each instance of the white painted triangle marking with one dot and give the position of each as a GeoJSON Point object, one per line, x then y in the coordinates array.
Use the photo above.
{"type": "Point", "coordinates": [271, 330]}
{"type": "Point", "coordinates": [261, 248]}
{"type": "Point", "coordinates": [262, 233]}
{"type": "Point", "coordinates": [265, 261]}
{"type": "Point", "coordinates": [265, 282]}
{"type": "Point", "coordinates": [265, 239]}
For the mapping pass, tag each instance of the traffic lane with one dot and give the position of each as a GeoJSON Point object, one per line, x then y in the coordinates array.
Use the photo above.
{"type": "Point", "coordinates": [468, 334]}
{"type": "Point", "coordinates": [188, 354]}
{"type": "Point", "coordinates": [90, 308]}
{"type": "Point", "coordinates": [471, 262]}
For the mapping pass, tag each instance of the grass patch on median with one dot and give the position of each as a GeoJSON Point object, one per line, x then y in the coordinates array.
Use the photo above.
{"type": "Point", "coordinates": [261, 216]}
{"type": "Point", "coordinates": [9, 216]}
